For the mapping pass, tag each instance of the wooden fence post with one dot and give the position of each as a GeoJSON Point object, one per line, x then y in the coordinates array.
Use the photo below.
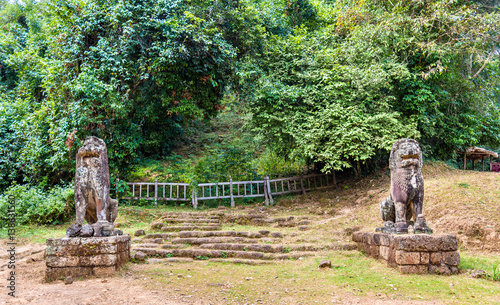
{"type": "Point", "coordinates": [194, 199]}
{"type": "Point", "coordinates": [156, 192]}
{"type": "Point", "coordinates": [302, 185]}
{"type": "Point", "coordinates": [268, 185]}
{"type": "Point", "coordinates": [266, 196]}
{"type": "Point", "coordinates": [231, 191]}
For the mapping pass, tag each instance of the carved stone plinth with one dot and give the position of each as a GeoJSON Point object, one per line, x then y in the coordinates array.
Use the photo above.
{"type": "Point", "coordinates": [82, 257]}
{"type": "Point", "coordinates": [418, 254]}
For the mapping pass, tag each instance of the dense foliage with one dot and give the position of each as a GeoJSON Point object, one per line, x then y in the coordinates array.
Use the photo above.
{"type": "Point", "coordinates": [332, 82]}
{"type": "Point", "coordinates": [35, 205]}
{"type": "Point", "coordinates": [375, 71]}
{"type": "Point", "coordinates": [218, 166]}
{"type": "Point", "coordinates": [130, 72]}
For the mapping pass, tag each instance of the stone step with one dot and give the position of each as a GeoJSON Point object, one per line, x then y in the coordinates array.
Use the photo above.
{"type": "Point", "coordinates": [170, 246]}
{"type": "Point", "coordinates": [243, 247]}
{"type": "Point", "coordinates": [200, 220]}
{"type": "Point", "coordinates": [262, 221]}
{"type": "Point", "coordinates": [277, 248]}
{"type": "Point", "coordinates": [216, 260]}
{"type": "Point", "coordinates": [277, 234]}
{"type": "Point", "coordinates": [218, 240]}
{"type": "Point", "coordinates": [149, 241]}
{"type": "Point", "coordinates": [287, 224]}
{"type": "Point", "coordinates": [200, 224]}
{"type": "Point", "coordinates": [154, 252]}
{"type": "Point", "coordinates": [205, 254]}
{"type": "Point", "coordinates": [220, 233]}
{"type": "Point", "coordinates": [240, 261]}
{"type": "Point", "coordinates": [291, 255]}
{"type": "Point", "coordinates": [189, 228]}
{"type": "Point", "coordinates": [167, 260]}
{"type": "Point", "coordinates": [267, 248]}
{"type": "Point", "coordinates": [161, 235]}
{"type": "Point", "coordinates": [189, 220]}
{"type": "Point", "coordinates": [145, 246]}
{"type": "Point", "coordinates": [213, 214]}
{"type": "Point", "coordinates": [184, 213]}
{"type": "Point", "coordinates": [217, 213]}
{"type": "Point", "coordinates": [314, 247]}
{"type": "Point", "coordinates": [178, 260]}
{"type": "Point", "coordinates": [191, 224]}
{"type": "Point", "coordinates": [159, 247]}
{"type": "Point", "coordinates": [248, 218]}
{"type": "Point", "coordinates": [201, 254]}
{"type": "Point", "coordinates": [281, 219]}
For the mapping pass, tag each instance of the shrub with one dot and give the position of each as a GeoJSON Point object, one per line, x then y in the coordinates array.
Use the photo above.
{"type": "Point", "coordinates": [36, 206]}
{"type": "Point", "coordinates": [217, 166]}
{"type": "Point", "coordinates": [273, 165]}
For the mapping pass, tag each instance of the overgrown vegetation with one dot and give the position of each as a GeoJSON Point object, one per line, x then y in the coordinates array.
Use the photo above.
{"type": "Point", "coordinates": [370, 72]}
{"type": "Point", "coordinates": [297, 84]}
{"type": "Point", "coordinates": [132, 73]}
{"type": "Point", "coordinates": [37, 206]}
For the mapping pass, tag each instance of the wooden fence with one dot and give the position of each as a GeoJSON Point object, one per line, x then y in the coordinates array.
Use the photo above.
{"type": "Point", "coordinates": [267, 188]}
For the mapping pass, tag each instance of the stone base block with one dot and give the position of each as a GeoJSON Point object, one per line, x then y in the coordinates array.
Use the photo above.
{"type": "Point", "coordinates": [414, 254]}
{"type": "Point", "coordinates": [85, 256]}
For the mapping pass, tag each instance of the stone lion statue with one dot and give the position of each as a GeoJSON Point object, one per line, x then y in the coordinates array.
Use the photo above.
{"type": "Point", "coordinates": [92, 201]}
{"type": "Point", "coordinates": [406, 199]}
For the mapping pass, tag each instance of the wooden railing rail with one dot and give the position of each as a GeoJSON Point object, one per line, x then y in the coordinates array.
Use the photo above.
{"type": "Point", "coordinates": [266, 188]}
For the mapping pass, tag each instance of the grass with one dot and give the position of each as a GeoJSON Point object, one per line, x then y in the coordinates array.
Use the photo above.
{"type": "Point", "coordinates": [488, 263]}
{"type": "Point", "coordinates": [300, 281]}
{"type": "Point", "coordinates": [36, 234]}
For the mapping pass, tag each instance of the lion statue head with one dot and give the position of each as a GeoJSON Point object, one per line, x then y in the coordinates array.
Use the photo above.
{"type": "Point", "coordinates": [405, 153]}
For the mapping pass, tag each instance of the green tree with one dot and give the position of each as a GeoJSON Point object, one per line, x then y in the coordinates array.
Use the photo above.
{"type": "Point", "coordinates": [131, 72]}
{"type": "Point", "coordinates": [376, 71]}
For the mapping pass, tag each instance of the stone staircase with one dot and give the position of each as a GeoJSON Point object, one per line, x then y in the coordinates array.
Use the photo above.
{"type": "Point", "coordinates": [189, 221]}
{"type": "Point", "coordinates": [188, 236]}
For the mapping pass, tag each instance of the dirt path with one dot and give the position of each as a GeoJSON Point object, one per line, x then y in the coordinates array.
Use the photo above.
{"type": "Point", "coordinates": [93, 291]}
{"type": "Point", "coordinates": [30, 288]}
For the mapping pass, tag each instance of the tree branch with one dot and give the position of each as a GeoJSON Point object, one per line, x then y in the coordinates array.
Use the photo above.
{"type": "Point", "coordinates": [485, 62]}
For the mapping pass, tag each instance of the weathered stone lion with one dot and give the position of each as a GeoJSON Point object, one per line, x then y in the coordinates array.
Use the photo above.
{"type": "Point", "coordinates": [92, 201]}
{"type": "Point", "coordinates": [407, 190]}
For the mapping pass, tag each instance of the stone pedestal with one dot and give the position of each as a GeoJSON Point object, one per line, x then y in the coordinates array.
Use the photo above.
{"type": "Point", "coordinates": [417, 254]}
{"type": "Point", "coordinates": [85, 256]}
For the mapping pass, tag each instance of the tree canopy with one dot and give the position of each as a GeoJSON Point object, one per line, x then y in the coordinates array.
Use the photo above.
{"type": "Point", "coordinates": [130, 72]}
{"type": "Point", "coordinates": [369, 72]}
{"type": "Point", "coordinates": [336, 82]}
